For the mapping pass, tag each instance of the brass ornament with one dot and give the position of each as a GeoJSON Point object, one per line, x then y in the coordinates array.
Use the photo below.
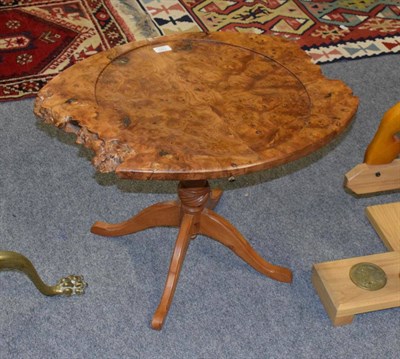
{"type": "Point", "coordinates": [368, 276]}
{"type": "Point", "coordinates": [70, 285]}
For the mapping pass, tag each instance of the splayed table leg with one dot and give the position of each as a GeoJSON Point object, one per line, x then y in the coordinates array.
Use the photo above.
{"type": "Point", "coordinates": [193, 214]}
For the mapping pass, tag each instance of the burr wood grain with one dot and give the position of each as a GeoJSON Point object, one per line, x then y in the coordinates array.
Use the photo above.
{"type": "Point", "coordinates": [198, 106]}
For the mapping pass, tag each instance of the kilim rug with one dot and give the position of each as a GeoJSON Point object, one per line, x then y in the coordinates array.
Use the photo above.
{"type": "Point", "coordinates": [40, 38]}
{"type": "Point", "coordinates": [327, 30]}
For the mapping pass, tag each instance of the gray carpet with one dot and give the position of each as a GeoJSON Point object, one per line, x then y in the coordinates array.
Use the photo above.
{"type": "Point", "coordinates": [295, 215]}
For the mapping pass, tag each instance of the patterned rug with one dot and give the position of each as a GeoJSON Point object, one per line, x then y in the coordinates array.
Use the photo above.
{"type": "Point", "coordinates": [327, 30]}
{"type": "Point", "coordinates": [41, 38]}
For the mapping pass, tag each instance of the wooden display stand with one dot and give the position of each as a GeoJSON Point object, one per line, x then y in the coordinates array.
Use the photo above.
{"type": "Point", "coordinates": [341, 298]}
{"type": "Point", "coordinates": [386, 220]}
{"type": "Point", "coordinates": [380, 171]}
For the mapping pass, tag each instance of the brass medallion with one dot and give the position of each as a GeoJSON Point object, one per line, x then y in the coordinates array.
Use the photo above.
{"type": "Point", "coordinates": [368, 276]}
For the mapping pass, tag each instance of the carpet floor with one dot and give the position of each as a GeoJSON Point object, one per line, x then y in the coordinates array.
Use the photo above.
{"type": "Point", "coordinates": [295, 215]}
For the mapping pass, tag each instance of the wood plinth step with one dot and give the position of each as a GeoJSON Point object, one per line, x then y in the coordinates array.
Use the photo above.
{"type": "Point", "coordinates": [342, 298]}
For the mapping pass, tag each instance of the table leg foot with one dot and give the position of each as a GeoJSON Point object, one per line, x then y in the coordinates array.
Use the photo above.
{"type": "Point", "coordinates": [218, 228]}
{"type": "Point", "coordinates": [181, 246]}
{"type": "Point", "coordinates": [157, 215]}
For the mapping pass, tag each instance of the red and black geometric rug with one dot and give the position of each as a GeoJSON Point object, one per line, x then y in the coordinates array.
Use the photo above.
{"type": "Point", "coordinates": [327, 30]}
{"type": "Point", "coordinates": [41, 38]}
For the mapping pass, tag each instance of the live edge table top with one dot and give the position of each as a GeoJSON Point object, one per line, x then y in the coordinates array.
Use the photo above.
{"type": "Point", "coordinates": [198, 106]}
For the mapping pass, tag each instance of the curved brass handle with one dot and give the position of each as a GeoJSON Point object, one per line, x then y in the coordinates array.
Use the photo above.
{"type": "Point", "coordinates": [70, 285]}
{"type": "Point", "coordinates": [385, 146]}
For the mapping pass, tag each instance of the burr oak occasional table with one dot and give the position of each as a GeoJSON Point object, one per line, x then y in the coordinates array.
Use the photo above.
{"type": "Point", "coordinates": [193, 107]}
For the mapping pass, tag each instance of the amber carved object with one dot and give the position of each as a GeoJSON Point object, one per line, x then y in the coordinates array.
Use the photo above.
{"type": "Point", "coordinates": [70, 285]}
{"type": "Point", "coordinates": [381, 168]}
{"type": "Point", "coordinates": [385, 146]}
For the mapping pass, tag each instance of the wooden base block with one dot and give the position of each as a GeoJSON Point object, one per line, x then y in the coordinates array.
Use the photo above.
{"type": "Point", "coordinates": [364, 178]}
{"type": "Point", "coordinates": [385, 218]}
{"type": "Point", "coordinates": [342, 299]}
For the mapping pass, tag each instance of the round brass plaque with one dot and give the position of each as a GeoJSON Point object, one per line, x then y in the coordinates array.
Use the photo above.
{"type": "Point", "coordinates": [368, 276]}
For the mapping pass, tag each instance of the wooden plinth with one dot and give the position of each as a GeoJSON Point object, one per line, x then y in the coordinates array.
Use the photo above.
{"type": "Point", "coordinates": [341, 298]}
{"type": "Point", "coordinates": [385, 218]}
{"type": "Point", "coordinates": [365, 178]}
